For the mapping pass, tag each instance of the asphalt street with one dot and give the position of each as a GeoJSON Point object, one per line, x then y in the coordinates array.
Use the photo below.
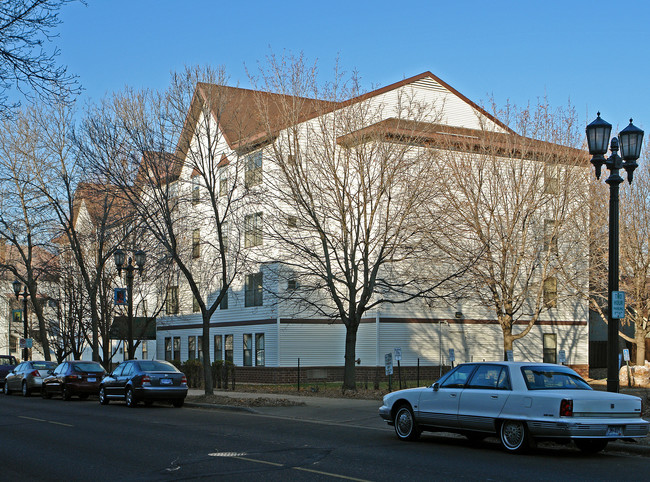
{"type": "Point", "coordinates": [322, 440]}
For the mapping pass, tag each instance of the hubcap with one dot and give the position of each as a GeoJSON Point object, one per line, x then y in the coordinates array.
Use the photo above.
{"type": "Point", "coordinates": [513, 434]}
{"type": "Point", "coordinates": [404, 422]}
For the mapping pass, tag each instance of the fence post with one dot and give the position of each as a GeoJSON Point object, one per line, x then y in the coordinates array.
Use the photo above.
{"type": "Point", "coordinates": [298, 374]}
{"type": "Point", "coordinates": [418, 376]}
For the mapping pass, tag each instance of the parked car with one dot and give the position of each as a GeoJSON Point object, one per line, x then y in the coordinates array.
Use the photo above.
{"type": "Point", "coordinates": [81, 378]}
{"type": "Point", "coordinates": [7, 363]}
{"type": "Point", "coordinates": [519, 402]}
{"type": "Point", "coordinates": [144, 380]}
{"type": "Point", "coordinates": [28, 376]}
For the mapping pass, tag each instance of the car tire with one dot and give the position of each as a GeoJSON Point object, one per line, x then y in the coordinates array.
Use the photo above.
{"type": "Point", "coordinates": [130, 398]}
{"type": "Point", "coordinates": [591, 445]}
{"type": "Point", "coordinates": [514, 436]}
{"type": "Point", "coordinates": [178, 403]}
{"type": "Point", "coordinates": [65, 393]}
{"type": "Point", "coordinates": [103, 400]}
{"type": "Point", "coordinates": [5, 389]}
{"type": "Point", "coordinates": [405, 426]}
{"type": "Point", "coordinates": [26, 391]}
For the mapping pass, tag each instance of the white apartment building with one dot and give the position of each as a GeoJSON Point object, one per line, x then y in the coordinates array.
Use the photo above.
{"type": "Point", "coordinates": [256, 329]}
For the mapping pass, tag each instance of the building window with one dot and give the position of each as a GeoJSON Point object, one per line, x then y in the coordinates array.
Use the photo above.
{"type": "Point", "coordinates": [253, 290]}
{"type": "Point", "coordinates": [551, 179]}
{"type": "Point", "coordinates": [550, 348]}
{"type": "Point", "coordinates": [196, 190]}
{"type": "Point", "coordinates": [218, 348]}
{"type": "Point", "coordinates": [168, 348]}
{"type": "Point", "coordinates": [171, 304]}
{"type": "Point", "coordinates": [550, 292]}
{"type": "Point", "coordinates": [224, 302]}
{"type": "Point", "coordinates": [292, 283]}
{"type": "Point", "coordinates": [195, 304]}
{"type": "Point", "coordinates": [550, 236]}
{"type": "Point", "coordinates": [224, 236]}
{"type": "Point", "coordinates": [199, 347]}
{"type": "Point", "coordinates": [177, 348]}
{"type": "Point", "coordinates": [223, 185]}
{"type": "Point", "coordinates": [253, 230]}
{"type": "Point", "coordinates": [248, 350]}
{"type": "Point", "coordinates": [145, 350]}
{"type": "Point", "coordinates": [191, 347]}
{"type": "Point", "coordinates": [228, 349]}
{"type": "Point", "coordinates": [292, 222]}
{"type": "Point", "coordinates": [253, 169]}
{"type": "Point", "coordinates": [196, 243]}
{"type": "Point", "coordinates": [259, 350]}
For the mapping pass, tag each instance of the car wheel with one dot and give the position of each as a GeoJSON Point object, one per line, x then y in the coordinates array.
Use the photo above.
{"type": "Point", "coordinates": [5, 389]}
{"type": "Point", "coordinates": [405, 426]}
{"type": "Point", "coordinates": [26, 391]}
{"type": "Point", "coordinates": [591, 445]}
{"type": "Point", "coordinates": [178, 403]}
{"type": "Point", "coordinates": [102, 396]}
{"type": "Point", "coordinates": [130, 398]}
{"type": "Point", "coordinates": [514, 436]}
{"type": "Point", "coordinates": [66, 393]}
{"type": "Point", "coordinates": [45, 393]}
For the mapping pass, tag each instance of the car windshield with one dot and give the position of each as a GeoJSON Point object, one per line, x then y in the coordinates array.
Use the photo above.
{"type": "Point", "coordinates": [553, 378]}
{"type": "Point", "coordinates": [7, 361]}
{"type": "Point", "coordinates": [87, 367]}
{"type": "Point", "coordinates": [156, 366]}
{"type": "Point", "coordinates": [43, 365]}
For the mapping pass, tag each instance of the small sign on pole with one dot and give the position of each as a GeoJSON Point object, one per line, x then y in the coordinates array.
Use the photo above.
{"type": "Point", "coordinates": [626, 354]}
{"type": "Point", "coordinates": [452, 355]}
{"type": "Point", "coordinates": [120, 296]}
{"type": "Point", "coordinates": [398, 354]}
{"type": "Point", "coordinates": [562, 356]}
{"type": "Point", "coordinates": [618, 304]}
{"type": "Point", "coordinates": [388, 361]}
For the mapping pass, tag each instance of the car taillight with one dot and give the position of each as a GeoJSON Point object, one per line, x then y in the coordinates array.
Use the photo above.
{"type": "Point", "coordinates": [566, 408]}
{"type": "Point", "coordinates": [35, 373]}
{"type": "Point", "coordinates": [184, 380]}
{"type": "Point", "coordinates": [146, 380]}
{"type": "Point", "coordinates": [73, 377]}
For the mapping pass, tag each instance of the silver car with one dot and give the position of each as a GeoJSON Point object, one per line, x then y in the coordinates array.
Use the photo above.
{"type": "Point", "coordinates": [28, 376]}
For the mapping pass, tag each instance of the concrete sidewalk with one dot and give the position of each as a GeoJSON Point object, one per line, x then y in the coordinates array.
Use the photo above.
{"type": "Point", "coordinates": [348, 412]}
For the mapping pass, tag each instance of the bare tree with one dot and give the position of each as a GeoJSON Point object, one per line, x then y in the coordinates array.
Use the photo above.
{"type": "Point", "coordinates": [26, 26]}
{"type": "Point", "coordinates": [174, 177]}
{"type": "Point", "coordinates": [26, 224]}
{"type": "Point", "coordinates": [346, 181]}
{"type": "Point", "coordinates": [519, 200]}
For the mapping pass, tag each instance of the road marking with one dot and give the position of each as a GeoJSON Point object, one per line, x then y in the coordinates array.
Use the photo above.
{"type": "Point", "coordinates": [46, 421]}
{"type": "Point", "coordinates": [303, 469]}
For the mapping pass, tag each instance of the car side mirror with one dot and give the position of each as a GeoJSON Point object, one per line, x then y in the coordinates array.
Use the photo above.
{"type": "Point", "coordinates": [436, 387]}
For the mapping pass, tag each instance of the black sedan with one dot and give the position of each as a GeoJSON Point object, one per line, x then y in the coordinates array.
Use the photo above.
{"type": "Point", "coordinates": [144, 380]}
{"type": "Point", "coordinates": [75, 377]}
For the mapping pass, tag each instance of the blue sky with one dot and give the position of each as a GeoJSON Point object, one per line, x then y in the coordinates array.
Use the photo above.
{"type": "Point", "coordinates": [518, 50]}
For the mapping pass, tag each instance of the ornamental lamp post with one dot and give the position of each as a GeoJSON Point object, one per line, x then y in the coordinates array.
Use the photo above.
{"type": "Point", "coordinates": [24, 294]}
{"type": "Point", "coordinates": [140, 258]}
{"type": "Point", "coordinates": [629, 140]}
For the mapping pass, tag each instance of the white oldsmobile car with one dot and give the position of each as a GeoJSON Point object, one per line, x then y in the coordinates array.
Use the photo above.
{"type": "Point", "coordinates": [519, 402]}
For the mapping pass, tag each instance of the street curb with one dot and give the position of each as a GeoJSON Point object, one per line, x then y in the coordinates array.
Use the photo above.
{"type": "Point", "coordinates": [214, 406]}
{"type": "Point", "coordinates": [636, 448]}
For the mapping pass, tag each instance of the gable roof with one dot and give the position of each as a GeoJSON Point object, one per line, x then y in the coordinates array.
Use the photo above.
{"type": "Point", "coordinates": [238, 111]}
{"type": "Point", "coordinates": [100, 200]}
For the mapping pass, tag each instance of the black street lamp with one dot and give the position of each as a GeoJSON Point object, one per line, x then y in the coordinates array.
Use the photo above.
{"type": "Point", "coordinates": [24, 294]}
{"type": "Point", "coordinates": [630, 140]}
{"type": "Point", "coordinates": [140, 258]}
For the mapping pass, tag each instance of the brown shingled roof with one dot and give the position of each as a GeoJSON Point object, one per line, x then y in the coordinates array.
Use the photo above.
{"type": "Point", "coordinates": [100, 201]}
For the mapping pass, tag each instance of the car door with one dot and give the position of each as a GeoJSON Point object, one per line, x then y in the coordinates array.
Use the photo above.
{"type": "Point", "coordinates": [55, 381]}
{"type": "Point", "coordinates": [124, 378]}
{"type": "Point", "coordinates": [438, 406]}
{"type": "Point", "coordinates": [482, 400]}
{"type": "Point", "coordinates": [12, 378]}
{"type": "Point", "coordinates": [110, 381]}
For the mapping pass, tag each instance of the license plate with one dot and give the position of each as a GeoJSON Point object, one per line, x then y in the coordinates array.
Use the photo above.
{"type": "Point", "coordinates": [166, 381]}
{"type": "Point", "coordinates": [92, 379]}
{"type": "Point", "coordinates": [615, 430]}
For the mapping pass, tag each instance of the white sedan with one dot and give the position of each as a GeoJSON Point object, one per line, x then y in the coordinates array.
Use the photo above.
{"type": "Point", "coordinates": [519, 402]}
